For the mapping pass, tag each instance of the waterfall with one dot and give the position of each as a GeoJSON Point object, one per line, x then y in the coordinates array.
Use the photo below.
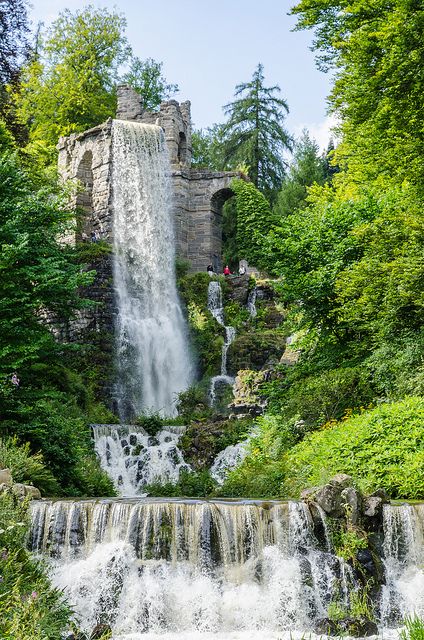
{"type": "Point", "coordinates": [151, 343]}
{"type": "Point", "coordinates": [181, 567]}
{"type": "Point", "coordinates": [227, 460]}
{"type": "Point", "coordinates": [251, 303]}
{"type": "Point", "coordinates": [216, 308]}
{"type": "Point", "coordinates": [133, 459]}
{"type": "Point", "coordinates": [403, 549]}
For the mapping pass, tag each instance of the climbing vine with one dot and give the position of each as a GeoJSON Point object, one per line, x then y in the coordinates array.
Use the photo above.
{"type": "Point", "coordinates": [253, 220]}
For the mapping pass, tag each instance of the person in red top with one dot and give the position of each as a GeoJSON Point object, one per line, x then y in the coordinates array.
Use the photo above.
{"type": "Point", "coordinates": [227, 271]}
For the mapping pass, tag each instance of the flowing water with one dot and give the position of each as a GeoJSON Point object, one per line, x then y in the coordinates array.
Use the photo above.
{"type": "Point", "coordinates": [186, 567]}
{"type": "Point", "coordinates": [216, 308]}
{"type": "Point", "coordinates": [228, 459]}
{"type": "Point", "coordinates": [133, 459]}
{"type": "Point", "coordinates": [180, 569]}
{"type": "Point", "coordinates": [151, 340]}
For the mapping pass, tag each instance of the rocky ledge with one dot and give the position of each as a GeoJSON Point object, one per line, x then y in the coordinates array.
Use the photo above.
{"type": "Point", "coordinates": [18, 489]}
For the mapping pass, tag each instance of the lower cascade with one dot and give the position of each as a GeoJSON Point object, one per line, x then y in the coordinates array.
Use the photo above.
{"type": "Point", "coordinates": [161, 568]}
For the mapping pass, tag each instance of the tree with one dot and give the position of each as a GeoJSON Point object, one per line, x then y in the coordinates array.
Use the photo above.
{"type": "Point", "coordinates": [145, 76]}
{"type": "Point", "coordinates": [70, 86]}
{"type": "Point", "coordinates": [13, 38]}
{"type": "Point", "coordinates": [306, 169]}
{"type": "Point", "coordinates": [208, 148]}
{"type": "Point", "coordinates": [376, 50]}
{"type": "Point", "coordinates": [37, 275]}
{"type": "Point", "coordinates": [254, 133]}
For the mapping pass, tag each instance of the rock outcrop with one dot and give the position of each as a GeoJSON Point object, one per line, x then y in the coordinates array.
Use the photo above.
{"type": "Point", "coordinates": [18, 489]}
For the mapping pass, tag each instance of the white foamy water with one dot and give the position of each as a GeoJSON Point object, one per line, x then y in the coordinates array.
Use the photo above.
{"type": "Point", "coordinates": [227, 460]}
{"type": "Point", "coordinates": [151, 339]}
{"type": "Point", "coordinates": [133, 459]}
{"type": "Point", "coordinates": [190, 569]}
{"type": "Point", "coordinates": [216, 308]}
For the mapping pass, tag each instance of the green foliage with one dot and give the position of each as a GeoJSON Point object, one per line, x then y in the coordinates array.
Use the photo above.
{"type": "Point", "coordinates": [57, 428]}
{"type": "Point", "coordinates": [25, 467]}
{"type": "Point", "coordinates": [30, 609]}
{"type": "Point", "coordinates": [254, 133]}
{"type": "Point", "coordinates": [198, 484]}
{"type": "Point", "coordinates": [348, 540]}
{"type": "Point", "coordinates": [253, 221]}
{"type": "Point", "coordinates": [378, 91]}
{"type": "Point", "coordinates": [145, 76]}
{"type": "Point", "coordinates": [207, 148]}
{"type": "Point", "coordinates": [306, 169]}
{"type": "Point", "coordinates": [193, 403]}
{"type": "Point", "coordinates": [152, 423]}
{"type": "Point", "coordinates": [414, 629]}
{"type": "Point", "coordinates": [40, 275]}
{"type": "Point", "coordinates": [69, 85]}
{"type": "Point", "coordinates": [381, 447]}
{"type": "Point", "coordinates": [207, 336]}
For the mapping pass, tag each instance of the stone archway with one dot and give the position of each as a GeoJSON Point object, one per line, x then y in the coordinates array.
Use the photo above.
{"type": "Point", "coordinates": [84, 198]}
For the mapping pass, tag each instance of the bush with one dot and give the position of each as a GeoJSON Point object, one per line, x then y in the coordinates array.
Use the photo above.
{"type": "Point", "coordinates": [414, 629]}
{"type": "Point", "coordinates": [152, 423]}
{"type": "Point", "coordinates": [191, 484]}
{"type": "Point", "coordinates": [26, 467]}
{"type": "Point", "coordinates": [382, 447]}
{"type": "Point", "coordinates": [30, 609]}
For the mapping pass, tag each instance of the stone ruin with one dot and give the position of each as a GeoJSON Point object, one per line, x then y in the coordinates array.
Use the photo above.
{"type": "Point", "coordinates": [199, 194]}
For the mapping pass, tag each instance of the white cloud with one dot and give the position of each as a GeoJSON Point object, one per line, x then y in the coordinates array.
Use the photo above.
{"type": "Point", "coordinates": [321, 132]}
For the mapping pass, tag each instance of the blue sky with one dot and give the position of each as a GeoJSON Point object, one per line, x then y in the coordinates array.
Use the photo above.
{"type": "Point", "coordinates": [208, 47]}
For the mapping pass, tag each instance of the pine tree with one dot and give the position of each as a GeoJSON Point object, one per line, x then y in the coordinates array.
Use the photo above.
{"type": "Point", "coordinates": [255, 135]}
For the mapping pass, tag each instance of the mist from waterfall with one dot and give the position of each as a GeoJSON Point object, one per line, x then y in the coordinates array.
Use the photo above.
{"type": "Point", "coordinates": [152, 351]}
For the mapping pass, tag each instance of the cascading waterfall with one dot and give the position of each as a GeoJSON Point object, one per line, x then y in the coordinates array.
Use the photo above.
{"type": "Point", "coordinates": [403, 551]}
{"type": "Point", "coordinates": [216, 308]}
{"type": "Point", "coordinates": [251, 303]}
{"type": "Point", "coordinates": [133, 459]}
{"type": "Point", "coordinates": [175, 567]}
{"type": "Point", "coordinates": [152, 349]}
{"type": "Point", "coordinates": [228, 459]}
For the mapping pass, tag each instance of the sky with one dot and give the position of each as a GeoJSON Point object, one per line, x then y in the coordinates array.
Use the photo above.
{"type": "Point", "coordinates": [208, 47]}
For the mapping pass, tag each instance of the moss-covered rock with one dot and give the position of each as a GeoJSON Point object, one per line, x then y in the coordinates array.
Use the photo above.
{"type": "Point", "coordinates": [203, 440]}
{"type": "Point", "coordinates": [254, 350]}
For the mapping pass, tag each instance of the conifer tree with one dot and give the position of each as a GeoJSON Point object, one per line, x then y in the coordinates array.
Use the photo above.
{"type": "Point", "coordinates": [255, 134]}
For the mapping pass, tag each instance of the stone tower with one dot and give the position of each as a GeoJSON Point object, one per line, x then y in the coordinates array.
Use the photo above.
{"type": "Point", "coordinates": [198, 194]}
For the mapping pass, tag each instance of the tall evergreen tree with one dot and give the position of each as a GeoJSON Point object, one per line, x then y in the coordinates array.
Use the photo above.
{"type": "Point", "coordinates": [254, 133]}
{"type": "Point", "coordinates": [306, 169]}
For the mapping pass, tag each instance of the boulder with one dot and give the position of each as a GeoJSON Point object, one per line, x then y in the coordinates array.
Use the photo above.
{"type": "Point", "coordinates": [328, 498]}
{"type": "Point", "coordinates": [101, 632]}
{"type": "Point", "coordinates": [19, 490]}
{"type": "Point", "coordinates": [32, 492]}
{"type": "Point", "coordinates": [373, 507]}
{"type": "Point", "coordinates": [326, 627]}
{"type": "Point", "coordinates": [381, 493]}
{"type": "Point", "coordinates": [5, 477]}
{"type": "Point", "coordinates": [4, 487]}
{"type": "Point", "coordinates": [341, 480]}
{"type": "Point", "coordinates": [351, 500]}
{"type": "Point", "coordinates": [238, 288]}
{"type": "Point", "coordinates": [308, 494]}
{"type": "Point", "coordinates": [356, 627]}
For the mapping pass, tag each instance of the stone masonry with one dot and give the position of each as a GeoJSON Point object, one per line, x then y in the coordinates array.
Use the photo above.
{"type": "Point", "coordinates": [198, 194]}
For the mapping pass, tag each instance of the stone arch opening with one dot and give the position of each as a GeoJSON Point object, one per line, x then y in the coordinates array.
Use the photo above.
{"type": "Point", "coordinates": [218, 200]}
{"type": "Point", "coordinates": [182, 148]}
{"type": "Point", "coordinates": [84, 199]}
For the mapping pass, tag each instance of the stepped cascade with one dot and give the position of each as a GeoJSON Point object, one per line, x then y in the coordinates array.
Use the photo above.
{"type": "Point", "coordinates": [216, 308]}
{"type": "Point", "coordinates": [153, 358]}
{"type": "Point", "coordinates": [133, 459]}
{"type": "Point", "coordinates": [162, 568]}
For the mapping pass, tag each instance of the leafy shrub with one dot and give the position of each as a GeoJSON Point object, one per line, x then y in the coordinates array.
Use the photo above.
{"type": "Point", "coordinates": [26, 467]}
{"type": "Point", "coordinates": [198, 484]}
{"type": "Point", "coordinates": [30, 609]}
{"type": "Point", "coordinates": [152, 423]}
{"type": "Point", "coordinates": [383, 447]}
{"type": "Point", "coordinates": [193, 403]}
